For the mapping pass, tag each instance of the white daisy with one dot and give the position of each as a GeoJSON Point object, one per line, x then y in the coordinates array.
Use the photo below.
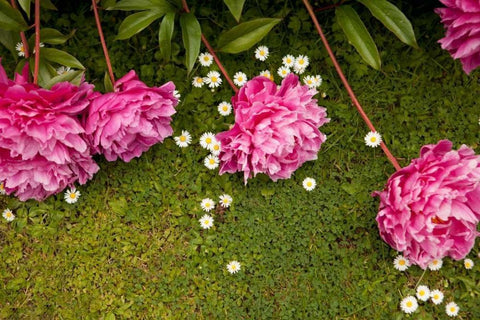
{"type": "Point", "coordinates": [373, 139]}
{"type": "Point", "coordinates": [62, 70]}
{"type": "Point", "coordinates": [468, 263]}
{"type": "Point", "coordinates": [409, 304]}
{"type": "Point", "coordinates": [435, 265]}
{"type": "Point", "coordinates": [41, 46]}
{"type": "Point", "coordinates": [301, 63]}
{"type": "Point", "coordinates": [198, 82]}
{"type": "Point", "coordinates": [309, 184]}
{"type": "Point", "coordinates": [211, 161]}
{"type": "Point", "coordinates": [213, 79]}
{"type": "Point", "coordinates": [452, 309]}
{"type": "Point", "coordinates": [207, 139]}
{"type": "Point", "coordinates": [288, 61]}
{"type": "Point", "coordinates": [206, 222]}
{"type": "Point", "coordinates": [207, 204]}
{"type": "Point", "coordinates": [184, 139]}
{"type": "Point", "coordinates": [318, 81]}
{"type": "Point", "coordinates": [240, 79]}
{"type": "Point", "coordinates": [310, 81]}
{"type": "Point", "coordinates": [266, 74]}
{"type": "Point", "coordinates": [215, 148]}
{"type": "Point", "coordinates": [401, 263]}
{"type": "Point", "coordinates": [8, 215]}
{"type": "Point", "coordinates": [21, 49]}
{"type": "Point", "coordinates": [72, 195]}
{"type": "Point", "coordinates": [261, 53]}
{"type": "Point", "coordinates": [224, 108]}
{"type": "Point", "coordinates": [177, 95]}
{"type": "Point", "coordinates": [283, 71]}
{"type": "Point", "coordinates": [205, 59]}
{"type": "Point", "coordinates": [436, 296]}
{"type": "Point", "coordinates": [423, 293]}
{"type": "Point", "coordinates": [233, 266]}
{"type": "Point", "coordinates": [225, 200]}
{"type": "Point", "coordinates": [2, 188]}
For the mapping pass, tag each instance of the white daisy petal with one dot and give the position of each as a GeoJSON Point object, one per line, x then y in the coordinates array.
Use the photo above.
{"type": "Point", "coordinates": [225, 108]}
{"type": "Point", "coordinates": [283, 71]}
{"type": "Point", "coordinates": [233, 266]}
{"type": "Point", "coordinates": [207, 204]}
{"type": "Point", "coordinates": [213, 79]}
{"type": "Point", "coordinates": [468, 263]}
{"type": "Point", "coordinates": [436, 296]}
{"type": "Point", "coordinates": [225, 200]}
{"type": "Point", "coordinates": [423, 293]}
{"type": "Point", "coordinates": [2, 188]}
{"type": "Point", "coordinates": [288, 61]}
{"type": "Point", "coordinates": [409, 304]}
{"type": "Point", "coordinates": [240, 79]}
{"type": "Point", "coordinates": [72, 195]}
{"type": "Point", "coordinates": [184, 139]}
{"type": "Point", "coordinates": [373, 139]}
{"type": "Point", "coordinates": [206, 222]}
{"type": "Point", "coordinates": [215, 148]}
{"type": "Point", "coordinates": [207, 139]}
{"type": "Point", "coordinates": [261, 53]}
{"type": "Point", "coordinates": [401, 263]}
{"type": "Point", "coordinates": [8, 215]}
{"type": "Point", "coordinates": [205, 59]}
{"type": "Point", "coordinates": [309, 184]}
{"type": "Point", "coordinates": [198, 82]}
{"type": "Point", "coordinates": [452, 309]}
{"type": "Point", "coordinates": [211, 161]}
{"type": "Point", "coordinates": [435, 264]}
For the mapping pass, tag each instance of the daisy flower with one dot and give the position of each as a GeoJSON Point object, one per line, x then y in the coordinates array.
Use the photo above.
{"type": "Point", "coordinates": [198, 82]}
{"type": "Point", "coordinates": [2, 188]}
{"type": "Point", "coordinates": [72, 195]}
{"type": "Point", "coordinates": [261, 53]}
{"type": "Point", "coordinates": [206, 222]}
{"type": "Point", "coordinates": [435, 265]}
{"type": "Point", "coordinates": [207, 204]}
{"type": "Point", "coordinates": [318, 81]}
{"type": "Point", "coordinates": [409, 304]}
{"type": "Point", "coordinates": [436, 296]}
{"type": "Point", "coordinates": [213, 79]}
{"type": "Point", "coordinates": [283, 71]}
{"type": "Point", "coordinates": [240, 79]}
{"type": "Point", "coordinates": [373, 139]}
{"type": "Point", "coordinates": [401, 263]}
{"type": "Point", "coordinates": [62, 70]}
{"type": "Point", "coordinates": [211, 161]}
{"type": "Point", "coordinates": [301, 63]}
{"type": "Point", "coordinates": [184, 139]}
{"type": "Point", "coordinates": [21, 49]}
{"type": "Point", "coordinates": [215, 148]}
{"type": "Point", "coordinates": [224, 108]}
{"type": "Point", "coordinates": [310, 81]}
{"type": "Point", "coordinates": [8, 215]}
{"type": "Point", "coordinates": [225, 200]}
{"type": "Point", "coordinates": [233, 266]}
{"type": "Point", "coordinates": [468, 263]}
{"type": "Point", "coordinates": [288, 61]}
{"type": "Point", "coordinates": [266, 74]}
{"type": "Point", "coordinates": [423, 293]}
{"type": "Point", "coordinates": [205, 59]}
{"type": "Point", "coordinates": [207, 139]}
{"type": "Point", "coordinates": [452, 309]}
{"type": "Point", "coordinates": [309, 184]}
{"type": "Point", "coordinates": [177, 94]}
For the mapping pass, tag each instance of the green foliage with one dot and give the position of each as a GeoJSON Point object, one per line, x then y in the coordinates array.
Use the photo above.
{"type": "Point", "coordinates": [165, 34]}
{"type": "Point", "coordinates": [235, 7]}
{"type": "Point", "coordinates": [11, 19]}
{"type": "Point", "coordinates": [191, 36]}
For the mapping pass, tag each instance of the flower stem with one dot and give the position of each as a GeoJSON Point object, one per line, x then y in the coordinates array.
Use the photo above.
{"type": "Point", "coordinates": [347, 85]}
{"type": "Point", "coordinates": [22, 34]}
{"type": "Point", "coordinates": [212, 52]}
{"type": "Point", "coordinates": [37, 41]}
{"type": "Point", "coordinates": [102, 40]}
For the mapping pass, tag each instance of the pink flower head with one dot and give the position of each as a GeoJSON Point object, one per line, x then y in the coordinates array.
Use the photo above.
{"type": "Point", "coordinates": [430, 209]}
{"type": "Point", "coordinates": [275, 131]}
{"type": "Point", "coordinates": [130, 120]}
{"type": "Point", "coordinates": [461, 18]}
{"type": "Point", "coordinates": [42, 149]}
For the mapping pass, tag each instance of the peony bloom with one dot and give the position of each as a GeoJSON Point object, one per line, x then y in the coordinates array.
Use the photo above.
{"type": "Point", "coordinates": [461, 19]}
{"type": "Point", "coordinates": [127, 122]}
{"type": "Point", "coordinates": [430, 209]}
{"type": "Point", "coordinates": [42, 148]}
{"type": "Point", "coordinates": [275, 131]}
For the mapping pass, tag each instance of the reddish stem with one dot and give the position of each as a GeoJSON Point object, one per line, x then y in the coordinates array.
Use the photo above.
{"type": "Point", "coordinates": [22, 34]}
{"type": "Point", "coordinates": [212, 52]}
{"type": "Point", "coordinates": [329, 6]}
{"type": "Point", "coordinates": [102, 40]}
{"type": "Point", "coordinates": [347, 85]}
{"type": "Point", "coordinates": [37, 41]}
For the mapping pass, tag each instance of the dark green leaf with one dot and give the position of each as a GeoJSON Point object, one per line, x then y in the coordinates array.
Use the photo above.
{"type": "Point", "coordinates": [235, 7]}
{"type": "Point", "coordinates": [245, 35]}
{"type": "Point", "coordinates": [136, 22]}
{"type": "Point", "coordinates": [53, 36]}
{"type": "Point", "coordinates": [9, 39]}
{"type": "Point", "coordinates": [11, 19]}
{"type": "Point", "coordinates": [45, 70]}
{"type": "Point", "coordinates": [128, 5]}
{"type": "Point", "coordinates": [107, 82]}
{"type": "Point", "coordinates": [393, 19]}
{"type": "Point", "coordinates": [358, 35]}
{"type": "Point", "coordinates": [61, 57]}
{"type": "Point", "coordinates": [25, 5]}
{"type": "Point", "coordinates": [191, 35]}
{"type": "Point", "coordinates": [67, 76]}
{"type": "Point", "coordinates": [47, 4]}
{"type": "Point", "coordinates": [165, 35]}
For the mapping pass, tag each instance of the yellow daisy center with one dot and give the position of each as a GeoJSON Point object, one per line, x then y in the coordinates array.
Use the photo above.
{"type": "Point", "coordinates": [409, 304]}
{"type": "Point", "coordinates": [401, 262]}
{"type": "Point", "coordinates": [234, 267]}
{"type": "Point", "coordinates": [452, 309]}
{"type": "Point", "coordinates": [434, 262]}
{"type": "Point", "coordinates": [284, 71]}
{"type": "Point", "coordinates": [225, 108]}
{"type": "Point", "coordinates": [199, 80]}
{"type": "Point", "coordinates": [225, 200]}
{"type": "Point", "coordinates": [73, 195]}
{"type": "Point", "coordinates": [436, 297]}
{"type": "Point", "coordinates": [309, 81]}
{"type": "Point", "coordinates": [422, 293]}
{"type": "Point", "coordinates": [467, 264]}
{"type": "Point", "coordinates": [216, 147]}
{"type": "Point", "coordinates": [8, 214]}
{"type": "Point", "coordinates": [183, 138]}
{"type": "Point", "coordinates": [309, 184]}
{"type": "Point", "coordinates": [301, 61]}
{"type": "Point", "coordinates": [207, 222]}
{"type": "Point", "coordinates": [262, 53]}
{"type": "Point", "coordinates": [207, 204]}
{"type": "Point", "coordinates": [214, 79]}
{"type": "Point", "coordinates": [212, 161]}
{"type": "Point", "coordinates": [289, 60]}
{"type": "Point", "coordinates": [206, 58]}
{"type": "Point", "coordinates": [240, 79]}
{"type": "Point", "coordinates": [208, 140]}
{"type": "Point", "coordinates": [373, 139]}
{"type": "Point", "coordinates": [2, 187]}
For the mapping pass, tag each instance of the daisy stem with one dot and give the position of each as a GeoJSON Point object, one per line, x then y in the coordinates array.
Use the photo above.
{"type": "Point", "coordinates": [22, 34]}
{"type": "Point", "coordinates": [347, 85]}
{"type": "Point", "coordinates": [419, 280]}
{"type": "Point", "coordinates": [102, 40]}
{"type": "Point", "coordinates": [212, 52]}
{"type": "Point", "coordinates": [37, 41]}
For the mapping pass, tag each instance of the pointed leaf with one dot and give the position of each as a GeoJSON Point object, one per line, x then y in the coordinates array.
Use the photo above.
{"type": "Point", "coordinates": [128, 5]}
{"type": "Point", "coordinates": [243, 36]}
{"type": "Point", "coordinates": [47, 4]}
{"type": "Point", "coordinates": [107, 83]}
{"type": "Point", "coordinates": [358, 35]}
{"type": "Point", "coordinates": [53, 36]}
{"type": "Point", "coordinates": [9, 39]}
{"type": "Point", "coordinates": [65, 77]}
{"type": "Point", "coordinates": [393, 19]}
{"type": "Point", "coordinates": [235, 7]}
{"type": "Point", "coordinates": [165, 35]}
{"type": "Point", "coordinates": [61, 57]}
{"type": "Point", "coordinates": [25, 5]}
{"type": "Point", "coordinates": [191, 35]}
{"type": "Point", "coordinates": [11, 19]}
{"type": "Point", "coordinates": [136, 22]}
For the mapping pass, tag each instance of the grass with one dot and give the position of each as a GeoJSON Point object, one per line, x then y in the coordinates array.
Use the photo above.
{"type": "Point", "coordinates": [132, 247]}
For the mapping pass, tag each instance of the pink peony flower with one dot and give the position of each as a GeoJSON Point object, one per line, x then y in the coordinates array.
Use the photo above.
{"type": "Point", "coordinates": [130, 120]}
{"type": "Point", "coordinates": [461, 18]}
{"type": "Point", "coordinates": [41, 142]}
{"type": "Point", "coordinates": [430, 209]}
{"type": "Point", "coordinates": [275, 131]}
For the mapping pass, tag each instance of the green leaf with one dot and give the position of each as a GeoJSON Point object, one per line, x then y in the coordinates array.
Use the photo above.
{"type": "Point", "coordinates": [191, 35]}
{"type": "Point", "coordinates": [47, 4]}
{"type": "Point", "coordinates": [165, 35]}
{"type": "Point", "coordinates": [245, 35]}
{"type": "Point", "coordinates": [67, 76]}
{"type": "Point", "coordinates": [9, 39]}
{"type": "Point", "coordinates": [393, 19]}
{"type": "Point", "coordinates": [45, 70]}
{"type": "Point", "coordinates": [25, 5]}
{"type": "Point", "coordinates": [358, 35]}
{"type": "Point", "coordinates": [128, 5]}
{"type": "Point", "coordinates": [107, 82]}
{"type": "Point", "coordinates": [53, 36]}
{"type": "Point", "coordinates": [136, 22]}
{"type": "Point", "coordinates": [11, 19]}
{"type": "Point", "coordinates": [235, 7]}
{"type": "Point", "coordinates": [61, 57]}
